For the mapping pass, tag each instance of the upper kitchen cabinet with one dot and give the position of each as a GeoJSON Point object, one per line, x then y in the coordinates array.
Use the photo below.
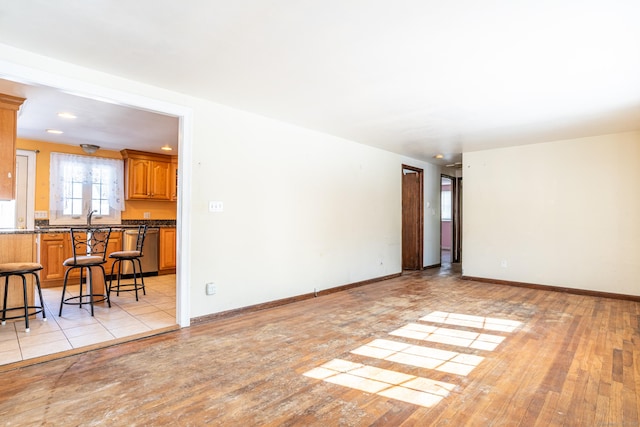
{"type": "Point", "coordinates": [174, 178]}
{"type": "Point", "coordinates": [9, 106]}
{"type": "Point", "coordinates": [147, 176]}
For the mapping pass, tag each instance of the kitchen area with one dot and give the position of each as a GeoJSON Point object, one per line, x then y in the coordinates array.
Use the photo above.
{"type": "Point", "coordinates": [33, 229]}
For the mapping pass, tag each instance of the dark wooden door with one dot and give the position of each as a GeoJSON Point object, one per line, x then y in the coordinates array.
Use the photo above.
{"type": "Point", "coordinates": [412, 219]}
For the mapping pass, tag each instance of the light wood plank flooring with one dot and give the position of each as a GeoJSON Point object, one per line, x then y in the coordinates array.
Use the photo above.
{"type": "Point", "coordinates": [423, 349]}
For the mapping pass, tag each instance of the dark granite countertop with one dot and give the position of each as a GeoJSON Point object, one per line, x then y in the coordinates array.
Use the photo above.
{"type": "Point", "coordinates": [45, 228]}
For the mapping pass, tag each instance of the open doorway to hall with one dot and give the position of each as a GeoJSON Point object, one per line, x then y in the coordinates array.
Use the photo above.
{"type": "Point", "coordinates": [446, 219]}
{"type": "Point", "coordinates": [450, 219]}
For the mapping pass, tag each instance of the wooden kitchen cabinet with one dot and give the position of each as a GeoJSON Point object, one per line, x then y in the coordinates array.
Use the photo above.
{"type": "Point", "coordinates": [167, 257]}
{"type": "Point", "coordinates": [54, 249]}
{"type": "Point", "coordinates": [147, 175]}
{"type": "Point", "coordinates": [9, 106]}
{"type": "Point", "coordinates": [115, 244]}
{"type": "Point", "coordinates": [174, 178]}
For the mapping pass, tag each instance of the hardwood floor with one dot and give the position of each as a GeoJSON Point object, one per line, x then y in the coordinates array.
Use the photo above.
{"type": "Point", "coordinates": [423, 349]}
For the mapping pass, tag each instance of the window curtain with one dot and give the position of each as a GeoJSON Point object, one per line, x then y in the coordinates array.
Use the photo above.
{"type": "Point", "coordinates": [67, 168]}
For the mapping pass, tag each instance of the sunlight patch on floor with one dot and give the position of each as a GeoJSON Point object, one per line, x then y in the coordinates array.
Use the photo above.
{"type": "Point", "coordinates": [395, 385]}
{"type": "Point", "coordinates": [422, 357]}
{"type": "Point", "coordinates": [475, 340]}
{"type": "Point", "coordinates": [479, 322]}
{"type": "Point", "coordinates": [409, 388]}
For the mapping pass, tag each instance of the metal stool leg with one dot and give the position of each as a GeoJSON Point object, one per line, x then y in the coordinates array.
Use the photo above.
{"type": "Point", "coordinates": [64, 289]}
{"type": "Point", "coordinates": [26, 303]}
{"type": "Point", "coordinates": [4, 305]}
{"type": "Point", "coordinates": [44, 315]}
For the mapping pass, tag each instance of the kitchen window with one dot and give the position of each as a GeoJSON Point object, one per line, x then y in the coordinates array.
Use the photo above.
{"type": "Point", "coordinates": [81, 184]}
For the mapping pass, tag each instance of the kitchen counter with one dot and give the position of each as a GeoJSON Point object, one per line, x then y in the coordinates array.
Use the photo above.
{"type": "Point", "coordinates": [128, 225]}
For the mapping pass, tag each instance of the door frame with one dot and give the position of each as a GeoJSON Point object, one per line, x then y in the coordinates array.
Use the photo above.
{"type": "Point", "coordinates": [456, 217]}
{"type": "Point", "coordinates": [452, 180]}
{"type": "Point", "coordinates": [456, 252]}
{"type": "Point", "coordinates": [33, 76]}
{"type": "Point", "coordinates": [420, 248]}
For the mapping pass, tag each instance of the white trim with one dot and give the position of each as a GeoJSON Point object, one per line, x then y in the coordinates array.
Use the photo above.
{"type": "Point", "coordinates": [27, 75]}
{"type": "Point", "coordinates": [31, 185]}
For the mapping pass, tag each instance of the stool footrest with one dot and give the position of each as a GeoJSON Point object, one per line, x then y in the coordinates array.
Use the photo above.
{"type": "Point", "coordinates": [38, 309]}
{"type": "Point", "coordinates": [85, 299]}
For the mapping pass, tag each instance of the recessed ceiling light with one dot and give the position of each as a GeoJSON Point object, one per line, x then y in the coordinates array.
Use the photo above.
{"type": "Point", "coordinates": [67, 115]}
{"type": "Point", "coordinates": [166, 148]}
{"type": "Point", "coordinates": [439, 156]}
{"type": "Point", "coordinates": [54, 131]}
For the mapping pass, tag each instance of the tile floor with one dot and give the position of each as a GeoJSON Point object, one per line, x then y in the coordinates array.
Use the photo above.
{"type": "Point", "coordinates": [76, 328]}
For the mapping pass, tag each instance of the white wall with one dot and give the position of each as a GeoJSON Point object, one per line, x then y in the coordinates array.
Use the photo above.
{"type": "Point", "coordinates": [302, 210]}
{"type": "Point", "coordinates": [564, 213]}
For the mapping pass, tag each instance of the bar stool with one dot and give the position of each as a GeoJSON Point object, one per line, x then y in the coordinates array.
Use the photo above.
{"type": "Point", "coordinates": [133, 257]}
{"type": "Point", "coordinates": [89, 250]}
{"type": "Point", "coordinates": [21, 269]}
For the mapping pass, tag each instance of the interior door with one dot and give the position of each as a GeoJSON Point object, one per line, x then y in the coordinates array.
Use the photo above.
{"type": "Point", "coordinates": [412, 218]}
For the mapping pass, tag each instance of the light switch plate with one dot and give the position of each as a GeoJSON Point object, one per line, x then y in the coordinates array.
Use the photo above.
{"type": "Point", "coordinates": [40, 214]}
{"type": "Point", "coordinates": [216, 206]}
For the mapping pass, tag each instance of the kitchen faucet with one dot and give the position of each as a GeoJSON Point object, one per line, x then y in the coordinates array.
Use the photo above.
{"type": "Point", "coordinates": [90, 215]}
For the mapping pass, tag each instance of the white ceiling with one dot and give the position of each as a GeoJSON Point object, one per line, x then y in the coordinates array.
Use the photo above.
{"type": "Point", "coordinates": [417, 77]}
{"type": "Point", "coordinates": [99, 123]}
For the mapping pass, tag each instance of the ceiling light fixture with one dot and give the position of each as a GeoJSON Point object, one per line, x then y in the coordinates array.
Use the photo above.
{"type": "Point", "coordinates": [439, 156]}
{"type": "Point", "coordinates": [54, 131]}
{"type": "Point", "coordinates": [65, 115]}
{"type": "Point", "coordinates": [166, 148]}
{"type": "Point", "coordinates": [89, 148]}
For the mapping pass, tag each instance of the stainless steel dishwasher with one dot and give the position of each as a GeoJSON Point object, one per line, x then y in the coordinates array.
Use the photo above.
{"type": "Point", "coordinates": [149, 259]}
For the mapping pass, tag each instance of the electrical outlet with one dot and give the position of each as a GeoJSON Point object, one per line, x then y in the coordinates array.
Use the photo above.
{"type": "Point", "coordinates": [216, 206]}
{"type": "Point", "coordinates": [210, 288]}
{"type": "Point", "coordinates": [147, 215]}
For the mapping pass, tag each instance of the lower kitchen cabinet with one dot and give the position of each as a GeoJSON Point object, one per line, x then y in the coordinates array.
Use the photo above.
{"type": "Point", "coordinates": [167, 261]}
{"type": "Point", "coordinates": [56, 247]}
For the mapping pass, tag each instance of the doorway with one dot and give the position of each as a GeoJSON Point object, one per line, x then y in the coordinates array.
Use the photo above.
{"type": "Point", "coordinates": [412, 218]}
{"type": "Point", "coordinates": [32, 76]}
{"type": "Point", "coordinates": [450, 219]}
{"type": "Point", "coordinates": [446, 219]}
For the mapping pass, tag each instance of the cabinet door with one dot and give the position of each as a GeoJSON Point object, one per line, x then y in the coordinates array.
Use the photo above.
{"type": "Point", "coordinates": [114, 245]}
{"type": "Point", "coordinates": [167, 257]}
{"type": "Point", "coordinates": [139, 171]}
{"type": "Point", "coordinates": [8, 119]}
{"type": "Point", "coordinates": [173, 177]}
{"type": "Point", "coordinates": [160, 182]}
{"type": "Point", "coordinates": [53, 252]}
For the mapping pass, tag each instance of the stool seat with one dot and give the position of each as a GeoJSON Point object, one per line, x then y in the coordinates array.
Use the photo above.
{"type": "Point", "coordinates": [21, 269]}
{"type": "Point", "coordinates": [83, 260]}
{"type": "Point", "coordinates": [125, 254]}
